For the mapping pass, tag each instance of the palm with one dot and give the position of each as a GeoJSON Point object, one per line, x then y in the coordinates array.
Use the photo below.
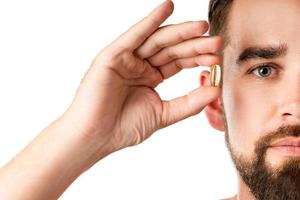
{"type": "Point", "coordinates": [140, 116]}
{"type": "Point", "coordinates": [141, 107]}
{"type": "Point", "coordinates": [117, 100]}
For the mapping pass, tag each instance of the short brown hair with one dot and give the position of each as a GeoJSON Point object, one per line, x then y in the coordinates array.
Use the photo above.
{"type": "Point", "coordinates": [218, 13]}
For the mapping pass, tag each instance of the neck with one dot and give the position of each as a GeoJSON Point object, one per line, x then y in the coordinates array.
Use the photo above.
{"type": "Point", "coordinates": [243, 191]}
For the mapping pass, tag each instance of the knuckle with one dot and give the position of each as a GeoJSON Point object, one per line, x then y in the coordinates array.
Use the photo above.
{"type": "Point", "coordinates": [154, 21]}
{"type": "Point", "coordinates": [178, 64]}
{"type": "Point", "coordinates": [157, 45]}
{"type": "Point", "coordinates": [196, 49]}
{"type": "Point", "coordinates": [180, 36]}
{"type": "Point", "coordinates": [196, 61]}
{"type": "Point", "coordinates": [171, 53]}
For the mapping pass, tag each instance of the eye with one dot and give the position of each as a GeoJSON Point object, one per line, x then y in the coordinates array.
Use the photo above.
{"type": "Point", "coordinates": [262, 71]}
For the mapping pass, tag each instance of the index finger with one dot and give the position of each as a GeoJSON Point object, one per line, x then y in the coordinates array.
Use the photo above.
{"type": "Point", "coordinates": [139, 32]}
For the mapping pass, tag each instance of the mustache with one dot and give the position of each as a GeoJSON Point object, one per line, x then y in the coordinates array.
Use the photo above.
{"type": "Point", "coordinates": [284, 131]}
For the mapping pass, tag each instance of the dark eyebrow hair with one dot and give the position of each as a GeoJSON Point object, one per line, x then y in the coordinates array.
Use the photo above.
{"type": "Point", "coordinates": [267, 52]}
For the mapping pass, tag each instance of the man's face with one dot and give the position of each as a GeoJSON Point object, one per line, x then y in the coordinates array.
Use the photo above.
{"type": "Point", "coordinates": [262, 105]}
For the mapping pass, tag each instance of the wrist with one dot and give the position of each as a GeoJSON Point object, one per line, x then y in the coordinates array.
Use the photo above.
{"type": "Point", "coordinates": [46, 167]}
{"type": "Point", "coordinates": [79, 148]}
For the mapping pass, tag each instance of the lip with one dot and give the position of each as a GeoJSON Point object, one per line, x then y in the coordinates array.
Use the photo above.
{"type": "Point", "coordinates": [289, 146]}
{"type": "Point", "coordinates": [287, 141]}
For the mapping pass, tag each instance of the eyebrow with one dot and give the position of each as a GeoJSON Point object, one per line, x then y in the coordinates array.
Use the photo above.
{"type": "Point", "coordinates": [267, 52]}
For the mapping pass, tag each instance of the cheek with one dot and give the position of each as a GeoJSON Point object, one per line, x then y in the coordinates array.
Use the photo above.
{"type": "Point", "coordinates": [246, 108]}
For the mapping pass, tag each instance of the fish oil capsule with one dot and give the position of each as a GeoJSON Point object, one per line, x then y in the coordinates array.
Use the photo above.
{"type": "Point", "coordinates": [215, 76]}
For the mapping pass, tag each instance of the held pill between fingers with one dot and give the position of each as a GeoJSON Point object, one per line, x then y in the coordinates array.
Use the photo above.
{"type": "Point", "coordinates": [215, 75]}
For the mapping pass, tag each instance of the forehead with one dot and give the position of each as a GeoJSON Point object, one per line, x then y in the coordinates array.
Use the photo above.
{"type": "Point", "coordinates": [259, 22]}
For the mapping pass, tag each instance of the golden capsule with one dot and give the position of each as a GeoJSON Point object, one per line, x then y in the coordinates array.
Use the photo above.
{"type": "Point", "coordinates": [215, 76]}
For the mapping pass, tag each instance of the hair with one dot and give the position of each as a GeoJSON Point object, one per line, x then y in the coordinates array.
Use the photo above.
{"type": "Point", "coordinates": [218, 16]}
{"type": "Point", "coordinates": [218, 13]}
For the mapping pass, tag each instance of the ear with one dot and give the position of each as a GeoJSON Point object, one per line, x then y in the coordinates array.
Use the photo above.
{"type": "Point", "coordinates": [214, 109]}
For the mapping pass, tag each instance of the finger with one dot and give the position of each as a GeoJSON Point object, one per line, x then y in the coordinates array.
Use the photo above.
{"type": "Point", "coordinates": [151, 77]}
{"type": "Point", "coordinates": [176, 66]}
{"type": "Point", "coordinates": [171, 35]}
{"type": "Point", "coordinates": [139, 32]}
{"type": "Point", "coordinates": [188, 105]}
{"type": "Point", "coordinates": [189, 48]}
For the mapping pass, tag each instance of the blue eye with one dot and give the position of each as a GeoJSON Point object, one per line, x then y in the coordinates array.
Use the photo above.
{"type": "Point", "coordinates": [262, 71]}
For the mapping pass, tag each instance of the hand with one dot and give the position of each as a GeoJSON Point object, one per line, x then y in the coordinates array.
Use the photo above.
{"type": "Point", "coordinates": [116, 102]}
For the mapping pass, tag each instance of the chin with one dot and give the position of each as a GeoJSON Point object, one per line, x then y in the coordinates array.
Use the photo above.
{"type": "Point", "coordinates": [277, 157]}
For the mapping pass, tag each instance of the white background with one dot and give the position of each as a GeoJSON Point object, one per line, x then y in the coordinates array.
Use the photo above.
{"type": "Point", "coordinates": [45, 49]}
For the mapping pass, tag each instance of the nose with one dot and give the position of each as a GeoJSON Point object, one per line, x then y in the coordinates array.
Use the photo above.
{"type": "Point", "coordinates": [291, 111]}
{"type": "Point", "coordinates": [290, 99]}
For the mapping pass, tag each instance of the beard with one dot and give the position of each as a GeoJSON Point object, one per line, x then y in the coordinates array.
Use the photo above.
{"type": "Point", "coordinates": [265, 183]}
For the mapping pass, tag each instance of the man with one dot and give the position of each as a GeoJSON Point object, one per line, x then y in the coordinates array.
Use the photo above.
{"type": "Point", "coordinates": [116, 105]}
{"type": "Point", "coordinates": [260, 99]}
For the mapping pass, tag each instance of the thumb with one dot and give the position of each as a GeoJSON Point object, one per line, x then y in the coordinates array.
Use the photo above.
{"type": "Point", "coordinates": [188, 105]}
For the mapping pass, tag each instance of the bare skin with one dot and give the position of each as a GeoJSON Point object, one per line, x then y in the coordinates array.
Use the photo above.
{"type": "Point", "coordinates": [257, 105]}
{"type": "Point", "coordinates": [116, 105]}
